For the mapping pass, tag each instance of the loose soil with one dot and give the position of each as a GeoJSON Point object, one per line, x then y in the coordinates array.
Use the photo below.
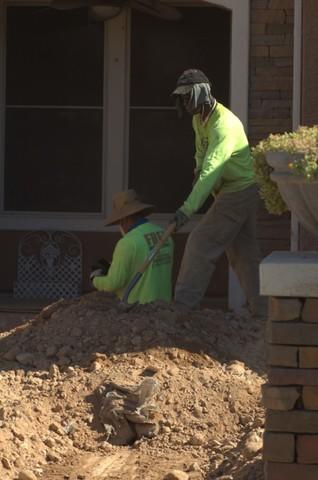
{"type": "Point", "coordinates": [208, 366]}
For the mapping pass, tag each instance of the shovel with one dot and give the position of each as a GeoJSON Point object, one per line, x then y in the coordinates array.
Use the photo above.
{"type": "Point", "coordinates": [133, 282]}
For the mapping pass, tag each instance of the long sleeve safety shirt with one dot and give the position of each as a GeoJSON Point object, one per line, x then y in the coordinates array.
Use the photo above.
{"type": "Point", "coordinates": [222, 158]}
{"type": "Point", "coordinates": [129, 254]}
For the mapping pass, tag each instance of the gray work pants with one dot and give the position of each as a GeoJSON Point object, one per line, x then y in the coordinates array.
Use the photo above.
{"type": "Point", "coordinates": [230, 226]}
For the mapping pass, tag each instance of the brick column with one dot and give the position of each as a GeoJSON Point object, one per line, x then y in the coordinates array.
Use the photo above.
{"type": "Point", "coordinates": [271, 68]}
{"type": "Point", "coordinates": [291, 393]}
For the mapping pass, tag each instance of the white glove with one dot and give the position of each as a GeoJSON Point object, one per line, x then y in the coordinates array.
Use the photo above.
{"type": "Point", "coordinates": [96, 273]}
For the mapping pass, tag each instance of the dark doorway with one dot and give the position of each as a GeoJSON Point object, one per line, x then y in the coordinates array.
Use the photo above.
{"type": "Point", "coordinates": [161, 145]}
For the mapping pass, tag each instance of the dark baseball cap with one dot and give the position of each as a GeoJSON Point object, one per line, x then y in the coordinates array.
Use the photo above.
{"type": "Point", "coordinates": [187, 79]}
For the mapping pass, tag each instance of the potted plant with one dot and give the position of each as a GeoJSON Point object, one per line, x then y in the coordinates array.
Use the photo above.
{"type": "Point", "coordinates": [286, 167]}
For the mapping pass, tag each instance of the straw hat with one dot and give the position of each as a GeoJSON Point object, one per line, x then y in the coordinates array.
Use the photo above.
{"type": "Point", "coordinates": [125, 204]}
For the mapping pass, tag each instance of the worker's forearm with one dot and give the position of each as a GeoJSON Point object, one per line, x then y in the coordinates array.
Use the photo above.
{"type": "Point", "coordinates": [110, 282]}
{"type": "Point", "coordinates": [200, 192]}
{"type": "Point", "coordinates": [103, 283]}
{"type": "Point", "coordinates": [119, 272]}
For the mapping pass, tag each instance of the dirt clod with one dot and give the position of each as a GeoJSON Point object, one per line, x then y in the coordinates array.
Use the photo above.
{"type": "Point", "coordinates": [26, 475]}
{"type": "Point", "coordinates": [177, 475]}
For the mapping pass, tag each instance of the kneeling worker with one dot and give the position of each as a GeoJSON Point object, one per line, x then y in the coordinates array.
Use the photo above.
{"type": "Point", "coordinates": [139, 238]}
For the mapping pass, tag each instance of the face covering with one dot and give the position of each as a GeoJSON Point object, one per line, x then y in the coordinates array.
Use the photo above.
{"type": "Point", "coordinates": [199, 96]}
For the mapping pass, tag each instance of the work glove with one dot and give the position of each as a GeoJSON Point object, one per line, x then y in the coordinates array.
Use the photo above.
{"type": "Point", "coordinates": [96, 273]}
{"type": "Point", "coordinates": [179, 219]}
{"type": "Point", "coordinates": [99, 269]}
{"type": "Point", "coordinates": [102, 265]}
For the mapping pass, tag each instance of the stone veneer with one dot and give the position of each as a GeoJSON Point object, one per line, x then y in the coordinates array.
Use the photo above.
{"type": "Point", "coordinates": [291, 393]}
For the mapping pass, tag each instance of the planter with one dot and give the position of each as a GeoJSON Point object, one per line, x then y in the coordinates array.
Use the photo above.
{"type": "Point", "coordinates": [300, 195]}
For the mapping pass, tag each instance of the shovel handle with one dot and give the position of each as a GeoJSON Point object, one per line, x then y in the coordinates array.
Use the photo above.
{"type": "Point", "coordinates": [143, 267]}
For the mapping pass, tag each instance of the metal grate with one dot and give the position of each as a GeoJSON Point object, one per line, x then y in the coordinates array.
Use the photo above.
{"type": "Point", "coordinates": [49, 266]}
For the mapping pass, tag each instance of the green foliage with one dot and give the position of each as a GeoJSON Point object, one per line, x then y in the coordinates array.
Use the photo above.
{"type": "Point", "coordinates": [304, 141]}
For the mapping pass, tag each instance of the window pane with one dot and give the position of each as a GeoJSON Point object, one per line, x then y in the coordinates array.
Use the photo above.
{"type": "Point", "coordinates": [53, 160]}
{"type": "Point", "coordinates": [161, 152]}
{"type": "Point", "coordinates": [53, 155]}
{"type": "Point", "coordinates": [161, 50]}
{"type": "Point", "coordinates": [161, 160]}
{"type": "Point", "coordinates": [54, 57]}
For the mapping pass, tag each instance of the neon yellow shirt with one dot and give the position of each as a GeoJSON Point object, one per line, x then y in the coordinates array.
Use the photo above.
{"type": "Point", "coordinates": [129, 254]}
{"type": "Point", "coordinates": [222, 158]}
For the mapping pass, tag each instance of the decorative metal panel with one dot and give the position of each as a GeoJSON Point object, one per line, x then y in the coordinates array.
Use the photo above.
{"type": "Point", "coordinates": [49, 266]}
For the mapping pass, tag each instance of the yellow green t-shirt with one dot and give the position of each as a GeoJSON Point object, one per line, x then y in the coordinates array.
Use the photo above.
{"type": "Point", "coordinates": [129, 254]}
{"type": "Point", "coordinates": [222, 157]}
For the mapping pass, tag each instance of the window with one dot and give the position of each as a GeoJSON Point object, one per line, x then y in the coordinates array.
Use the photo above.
{"type": "Point", "coordinates": [162, 146]}
{"type": "Point", "coordinates": [54, 111]}
{"type": "Point", "coordinates": [70, 136]}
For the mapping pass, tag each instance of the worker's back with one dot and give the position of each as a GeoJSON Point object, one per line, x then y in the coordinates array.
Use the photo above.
{"type": "Point", "coordinates": [155, 283]}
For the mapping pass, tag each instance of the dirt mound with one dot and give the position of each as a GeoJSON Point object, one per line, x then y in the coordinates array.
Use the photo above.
{"type": "Point", "coordinates": [208, 366]}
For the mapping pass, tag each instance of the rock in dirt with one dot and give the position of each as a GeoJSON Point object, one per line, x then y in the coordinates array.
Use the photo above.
{"type": "Point", "coordinates": [253, 444]}
{"type": "Point", "coordinates": [2, 413]}
{"type": "Point", "coordinates": [237, 368]}
{"type": "Point", "coordinates": [54, 371]}
{"type": "Point", "coordinates": [25, 358]}
{"type": "Point", "coordinates": [176, 475]}
{"type": "Point", "coordinates": [26, 475]}
{"type": "Point", "coordinates": [146, 430]}
{"type": "Point", "coordinates": [194, 467]}
{"type": "Point", "coordinates": [197, 440]}
{"type": "Point", "coordinates": [55, 427]}
{"type": "Point", "coordinates": [52, 457]}
{"type": "Point", "coordinates": [6, 464]}
{"type": "Point", "coordinates": [11, 354]}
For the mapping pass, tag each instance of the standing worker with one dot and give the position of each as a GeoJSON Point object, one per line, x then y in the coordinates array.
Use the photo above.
{"type": "Point", "coordinates": [139, 238]}
{"type": "Point", "coordinates": [224, 168]}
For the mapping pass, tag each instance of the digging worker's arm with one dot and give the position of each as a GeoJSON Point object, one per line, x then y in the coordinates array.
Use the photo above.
{"type": "Point", "coordinates": [222, 160]}
{"type": "Point", "coordinates": [218, 152]}
{"type": "Point", "coordinates": [119, 272]}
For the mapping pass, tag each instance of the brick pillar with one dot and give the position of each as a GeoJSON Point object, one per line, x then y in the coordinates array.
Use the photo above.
{"type": "Point", "coordinates": [291, 393]}
{"type": "Point", "coordinates": [271, 68]}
